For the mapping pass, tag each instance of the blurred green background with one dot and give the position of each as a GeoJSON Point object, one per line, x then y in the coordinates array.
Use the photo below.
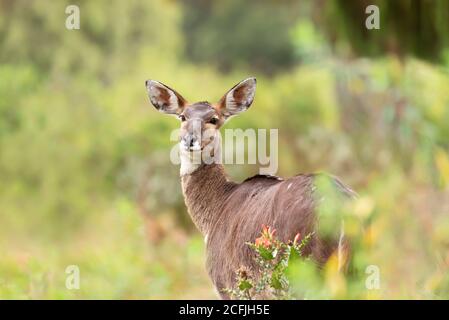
{"type": "Point", "coordinates": [85, 176]}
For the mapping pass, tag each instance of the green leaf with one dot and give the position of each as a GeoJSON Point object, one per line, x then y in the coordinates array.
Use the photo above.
{"type": "Point", "coordinates": [245, 285]}
{"type": "Point", "coordinates": [294, 255]}
{"type": "Point", "coordinates": [265, 253]}
{"type": "Point", "coordinates": [275, 281]}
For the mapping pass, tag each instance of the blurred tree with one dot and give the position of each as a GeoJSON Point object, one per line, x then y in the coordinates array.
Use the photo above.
{"type": "Point", "coordinates": [61, 149]}
{"type": "Point", "coordinates": [407, 27]}
{"type": "Point", "coordinates": [110, 33]}
{"type": "Point", "coordinates": [232, 33]}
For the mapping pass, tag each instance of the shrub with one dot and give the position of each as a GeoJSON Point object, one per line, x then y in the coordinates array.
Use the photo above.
{"type": "Point", "coordinates": [272, 257]}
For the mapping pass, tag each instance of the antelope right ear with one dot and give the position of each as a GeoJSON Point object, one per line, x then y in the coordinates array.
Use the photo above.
{"type": "Point", "coordinates": [164, 98]}
{"type": "Point", "coordinates": [239, 98]}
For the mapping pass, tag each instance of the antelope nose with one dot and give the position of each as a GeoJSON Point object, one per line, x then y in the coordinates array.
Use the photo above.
{"type": "Point", "coordinates": [190, 142]}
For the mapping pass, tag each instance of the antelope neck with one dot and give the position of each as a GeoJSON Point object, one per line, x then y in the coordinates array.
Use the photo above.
{"type": "Point", "coordinates": [205, 191]}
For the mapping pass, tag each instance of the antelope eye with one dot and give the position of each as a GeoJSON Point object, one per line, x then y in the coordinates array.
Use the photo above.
{"type": "Point", "coordinates": [213, 120]}
{"type": "Point", "coordinates": [182, 117]}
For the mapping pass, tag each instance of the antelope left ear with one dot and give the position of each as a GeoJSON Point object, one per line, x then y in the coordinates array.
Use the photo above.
{"type": "Point", "coordinates": [164, 98]}
{"type": "Point", "coordinates": [239, 98]}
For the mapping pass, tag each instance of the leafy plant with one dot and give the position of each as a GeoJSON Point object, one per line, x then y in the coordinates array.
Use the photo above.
{"type": "Point", "coordinates": [272, 257]}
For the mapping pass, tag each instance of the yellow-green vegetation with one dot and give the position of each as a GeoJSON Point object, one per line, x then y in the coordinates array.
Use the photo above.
{"type": "Point", "coordinates": [85, 176]}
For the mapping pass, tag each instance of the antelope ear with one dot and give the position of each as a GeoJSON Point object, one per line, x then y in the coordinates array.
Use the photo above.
{"type": "Point", "coordinates": [165, 99]}
{"type": "Point", "coordinates": [239, 98]}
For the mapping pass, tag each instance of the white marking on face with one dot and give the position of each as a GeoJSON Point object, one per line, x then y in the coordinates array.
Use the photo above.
{"type": "Point", "coordinates": [289, 185]}
{"type": "Point", "coordinates": [196, 146]}
{"type": "Point", "coordinates": [190, 161]}
{"type": "Point", "coordinates": [183, 145]}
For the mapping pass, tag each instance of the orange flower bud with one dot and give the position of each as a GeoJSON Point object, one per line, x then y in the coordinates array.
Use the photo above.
{"type": "Point", "coordinates": [297, 238]}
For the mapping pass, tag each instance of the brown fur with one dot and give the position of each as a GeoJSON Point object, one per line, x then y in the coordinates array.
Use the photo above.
{"type": "Point", "coordinates": [231, 214]}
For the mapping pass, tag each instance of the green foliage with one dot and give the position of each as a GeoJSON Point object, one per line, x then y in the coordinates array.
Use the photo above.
{"type": "Point", "coordinates": [269, 279]}
{"type": "Point", "coordinates": [407, 27]}
{"type": "Point", "coordinates": [254, 32]}
{"type": "Point", "coordinates": [84, 158]}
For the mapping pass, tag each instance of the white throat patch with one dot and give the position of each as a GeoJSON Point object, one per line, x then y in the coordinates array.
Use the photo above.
{"type": "Point", "coordinates": [190, 161]}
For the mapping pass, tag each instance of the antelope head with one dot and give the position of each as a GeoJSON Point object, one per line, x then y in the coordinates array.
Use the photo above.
{"type": "Point", "coordinates": [200, 121]}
